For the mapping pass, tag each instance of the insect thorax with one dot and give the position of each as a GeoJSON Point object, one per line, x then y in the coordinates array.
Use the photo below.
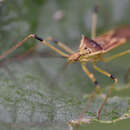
{"type": "Point", "coordinates": [89, 45]}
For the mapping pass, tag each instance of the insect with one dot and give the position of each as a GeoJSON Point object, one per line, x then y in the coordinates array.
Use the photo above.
{"type": "Point", "coordinates": [90, 50]}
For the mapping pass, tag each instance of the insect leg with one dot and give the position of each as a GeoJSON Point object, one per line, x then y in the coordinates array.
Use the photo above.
{"type": "Point", "coordinates": [91, 76]}
{"type": "Point", "coordinates": [110, 90]}
{"type": "Point", "coordinates": [61, 45]}
{"type": "Point", "coordinates": [116, 56]}
{"type": "Point", "coordinates": [9, 51]}
{"type": "Point", "coordinates": [33, 48]}
{"type": "Point", "coordinates": [50, 46]}
{"type": "Point", "coordinates": [16, 46]}
{"type": "Point", "coordinates": [94, 22]}
{"type": "Point", "coordinates": [26, 53]}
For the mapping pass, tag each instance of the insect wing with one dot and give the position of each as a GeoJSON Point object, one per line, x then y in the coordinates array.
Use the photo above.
{"type": "Point", "coordinates": [113, 38]}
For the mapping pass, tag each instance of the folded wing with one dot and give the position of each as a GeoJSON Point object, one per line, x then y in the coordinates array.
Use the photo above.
{"type": "Point", "coordinates": [113, 38]}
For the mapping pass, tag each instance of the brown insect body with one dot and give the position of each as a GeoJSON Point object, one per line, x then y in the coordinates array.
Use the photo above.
{"type": "Point", "coordinates": [86, 48]}
{"type": "Point", "coordinates": [92, 50]}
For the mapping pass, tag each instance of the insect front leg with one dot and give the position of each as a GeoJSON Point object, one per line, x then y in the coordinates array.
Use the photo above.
{"type": "Point", "coordinates": [16, 46]}
{"type": "Point", "coordinates": [110, 90]}
{"type": "Point", "coordinates": [45, 42]}
{"type": "Point", "coordinates": [33, 48]}
{"type": "Point", "coordinates": [90, 75]}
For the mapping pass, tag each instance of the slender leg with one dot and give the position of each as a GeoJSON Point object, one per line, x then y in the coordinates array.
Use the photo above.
{"type": "Point", "coordinates": [94, 22]}
{"type": "Point", "coordinates": [116, 56]}
{"type": "Point", "coordinates": [52, 47]}
{"type": "Point", "coordinates": [35, 37]}
{"type": "Point", "coordinates": [61, 45]}
{"type": "Point", "coordinates": [91, 76]}
{"type": "Point", "coordinates": [38, 44]}
{"type": "Point", "coordinates": [110, 90]}
{"type": "Point", "coordinates": [15, 46]}
{"type": "Point", "coordinates": [33, 48]}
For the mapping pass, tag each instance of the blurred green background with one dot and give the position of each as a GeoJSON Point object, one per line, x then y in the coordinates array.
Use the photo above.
{"type": "Point", "coordinates": [37, 92]}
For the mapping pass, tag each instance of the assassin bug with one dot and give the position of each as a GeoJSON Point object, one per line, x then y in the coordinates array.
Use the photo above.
{"type": "Point", "coordinates": [90, 50]}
